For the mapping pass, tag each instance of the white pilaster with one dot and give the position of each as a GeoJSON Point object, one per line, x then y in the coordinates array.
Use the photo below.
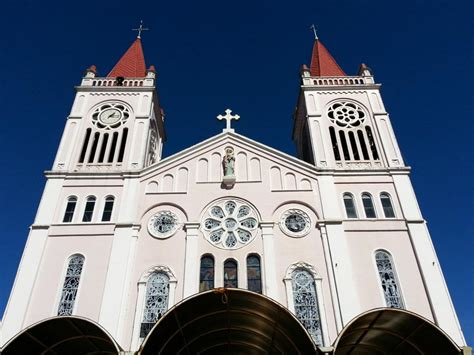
{"type": "Point", "coordinates": [15, 311]}
{"type": "Point", "coordinates": [191, 260]}
{"type": "Point", "coordinates": [438, 294]}
{"type": "Point", "coordinates": [269, 260]}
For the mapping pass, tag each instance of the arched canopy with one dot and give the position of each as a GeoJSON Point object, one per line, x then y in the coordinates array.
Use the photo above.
{"type": "Point", "coordinates": [393, 331]}
{"type": "Point", "coordinates": [62, 335]}
{"type": "Point", "coordinates": [228, 321]}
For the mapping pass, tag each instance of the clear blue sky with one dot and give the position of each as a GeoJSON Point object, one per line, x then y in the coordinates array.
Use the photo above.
{"type": "Point", "coordinates": [211, 55]}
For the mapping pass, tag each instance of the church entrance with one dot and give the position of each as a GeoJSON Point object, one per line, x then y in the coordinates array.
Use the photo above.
{"type": "Point", "coordinates": [228, 321]}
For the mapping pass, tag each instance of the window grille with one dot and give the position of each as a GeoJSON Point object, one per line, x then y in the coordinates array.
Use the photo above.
{"type": "Point", "coordinates": [306, 304]}
{"type": "Point", "coordinates": [350, 206]}
{"type": "Point", "coordinates": [387, 205]}
{"type": "Point", "coordinates": [71, 206]}
{"type": "Point", "coordinates": [89, 210]}
{"type": "Point", "coordinates": [368, 206]}
{"type": "Point", "coordinates": [254, 274]}
{"type": "Point", "coordinates": [71, 285]}
{"type": "Point", "coordinates": [156, 301]}
{"type": "Point", "coordinates": [108, 208]}
{"type": "Point", "coordinates": [206, 278]}
{"type": "Point", "coordinates": [388, 279]}
{"type": "Point", "coordinates": [230, 274]}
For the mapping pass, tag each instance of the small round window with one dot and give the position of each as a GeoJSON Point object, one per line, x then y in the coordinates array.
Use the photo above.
{"type": "Point", "coordinates": [295, 223]}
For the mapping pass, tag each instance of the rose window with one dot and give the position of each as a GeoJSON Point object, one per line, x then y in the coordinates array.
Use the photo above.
{"type": "Point", "coordinates": [230, 224]}
{"type": "Point", "coordinates": [295, 223]}
{"type": "Point", "coordinates": [110, 115]}
{"type": "Point", "coordinates": [346, 114]}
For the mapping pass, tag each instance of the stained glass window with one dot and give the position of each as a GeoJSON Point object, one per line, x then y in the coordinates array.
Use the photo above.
{"type": "Point", "coordinates": [306, 304]}
{"type": "Point", "coordinates": [71, 206]}
{"type": "Point", "coordinates": [254, 275]}
{"type": "Point", "coordinates": [89, 210]}
{"type": "Point", "coordinates": [388, 279]}
{"type": "Point", "coordinates": [206, 278]}
{"type": "Point", "coordinates": [368, 206]}
{"type": "Point", "coordinates": [71, 285]}
{"type": "Point", "coordinates": [350, 206]}
{"type": "Point", "coordinates": [108, 207]}
{"type": "Point", "coordinates": [230, 274]}
{"type": "Point", "coordinates": [156, 301]}
{"type": "Point", "coordinates": [387, 205]}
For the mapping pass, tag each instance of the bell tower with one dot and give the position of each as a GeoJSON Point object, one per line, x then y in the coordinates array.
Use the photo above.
{"type": "Point", "coordinates": [116, 122]}
{"type": "Point", "coordinates": [340, 121]}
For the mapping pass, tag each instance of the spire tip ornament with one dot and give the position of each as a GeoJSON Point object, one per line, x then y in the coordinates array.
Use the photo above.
{"type": "Point", "coordinates": [140, 29]}
{"type": "Point", "coordinates": [313, 27]}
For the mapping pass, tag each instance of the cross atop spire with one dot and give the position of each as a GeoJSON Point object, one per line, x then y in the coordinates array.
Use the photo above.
{"type": "Point", "coordinates": [228, 117]}
{"type": "Point", "coordinates": [140, 29]}
{"type": "Point", "coordinates": [313, 27]}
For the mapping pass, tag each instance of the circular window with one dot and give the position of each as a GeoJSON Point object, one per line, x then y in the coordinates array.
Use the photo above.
{"type": "Point", "coordinates": [295, 223]}
{"type": "Point", "coordinates": [230, 224]}
{"type": "Point", "coordinates": [163, 224]}
{"type": "Point", "coordinates": [346, 114]}
{"type": "Point", "coordinates": [110, 115]}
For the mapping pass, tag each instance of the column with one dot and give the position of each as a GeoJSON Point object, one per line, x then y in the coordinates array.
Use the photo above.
{"type": "Point", "coordinates": [269, 262]}
{"type": "Point", "coordinates": [191, 260]}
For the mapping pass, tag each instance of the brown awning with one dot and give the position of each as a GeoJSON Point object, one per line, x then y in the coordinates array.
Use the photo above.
{"type": "Point", "coordinates": [393, 331]}
{"type": "Point", "coordinates": [228, 321]}
{"type": "Point", "coordinates": [62, 335]}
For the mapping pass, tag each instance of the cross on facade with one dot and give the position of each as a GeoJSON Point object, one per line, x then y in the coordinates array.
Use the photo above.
{"type": "Point", "coordinates": [228, 117]}
{"type": "Point", "coordinates": [140, 29]}
{"type": "Point", "coordinates": [313, 27]}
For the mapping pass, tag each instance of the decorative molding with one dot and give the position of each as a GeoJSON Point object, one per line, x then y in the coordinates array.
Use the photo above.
{"type": "Point", "coordinates": [155, 269]}
{"type": "Point", "coordinates": [114, 94]}
{"type": "Point", "coordinates": [302, 265]}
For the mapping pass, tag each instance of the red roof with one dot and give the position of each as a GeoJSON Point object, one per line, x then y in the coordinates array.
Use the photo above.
{"type": "Point", "coordinates": [322, 62]}
{"type": "Point", "coordinates": [132, 63]}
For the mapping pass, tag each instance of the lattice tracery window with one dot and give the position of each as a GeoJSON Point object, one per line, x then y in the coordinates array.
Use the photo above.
{"type": "Point", "coordinates": [306, 303]}
{"type": "Point", "coordinates": [71, 285]}
{"type": "Point", "coordinates": [388, 279]}
{"type": "Point", "coordinates": [230, 224]}
{"type": "Point", "coordinates": [350, 132]}
{"type": "Point", "coordinates": [156, 301]}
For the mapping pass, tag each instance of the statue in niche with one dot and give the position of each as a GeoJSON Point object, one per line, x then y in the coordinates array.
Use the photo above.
{"type": "Point", "coordinates": [229, 162]}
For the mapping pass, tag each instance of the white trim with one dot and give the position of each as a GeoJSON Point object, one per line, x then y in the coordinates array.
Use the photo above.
{"type": "Point", "coordinates": [61, 284]}
{"type": "Point", "coordinates": [394, 269]}
{"type": "Point", "coordinates": [141, 294]}
{"type": "Point", "coordinates": [319, 294]}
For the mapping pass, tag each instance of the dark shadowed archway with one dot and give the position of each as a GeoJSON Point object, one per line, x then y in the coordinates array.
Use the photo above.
{"type": "Point", "coordinates": [228, 321]}
{"type": "Point", "coordinates": [393, 331]}
{"type": "Point", "coordinates": [62, 335]}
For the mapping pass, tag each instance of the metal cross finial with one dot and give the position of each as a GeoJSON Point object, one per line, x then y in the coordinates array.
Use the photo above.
{"type": "Point", "coordinates": [313, 27]}
{"type": "Point", "coordinates": [228, 117]}
{"type": "Point", "coordinates": [140, 29]}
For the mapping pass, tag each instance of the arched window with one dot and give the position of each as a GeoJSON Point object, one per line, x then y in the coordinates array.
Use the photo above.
{"type": "Point", "coordinates": [368, 206]}
{"type": "Point", "coordinates": [89, 210]}
{"type": "Point", "coordinates": [156, 301]}
{"type": "Point", "coordinates": [387, 205]}
{"type": "Point", "coordinates": [71, 285]}
{"type": "Point", "coordinates": [108, 208]}
{"type": "Point", "coordinates": [388, 279]}
{"type": "Point", "coordinates": [230, 273]}
{"type": "Point", "coordinates": [206, 277]}
{"type": "Point", "coordinates": [306, 303]}
{"type": "Point", "coordinates": [254, 274]}
{"type": "Point", "coordinates": [70, 207]}
{"type": "Point", "coordinates": [350, 206]}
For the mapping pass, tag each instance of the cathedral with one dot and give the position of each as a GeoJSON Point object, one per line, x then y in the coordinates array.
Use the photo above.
{"type": "Point", "coordinates": [229, 246]}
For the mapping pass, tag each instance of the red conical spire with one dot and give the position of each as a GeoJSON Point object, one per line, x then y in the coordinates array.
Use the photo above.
{"type": "Point", "coordinates": [322, 62]}
{"type": "Point", "coordinates": [132, 63]}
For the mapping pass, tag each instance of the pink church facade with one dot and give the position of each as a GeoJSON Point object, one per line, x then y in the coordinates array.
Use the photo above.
{"type": "Point", "coordinates": [342, 217]}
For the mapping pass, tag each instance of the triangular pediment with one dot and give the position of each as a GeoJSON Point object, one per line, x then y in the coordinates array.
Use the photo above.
{"type": "Point", "coordinates": [254, 163]}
